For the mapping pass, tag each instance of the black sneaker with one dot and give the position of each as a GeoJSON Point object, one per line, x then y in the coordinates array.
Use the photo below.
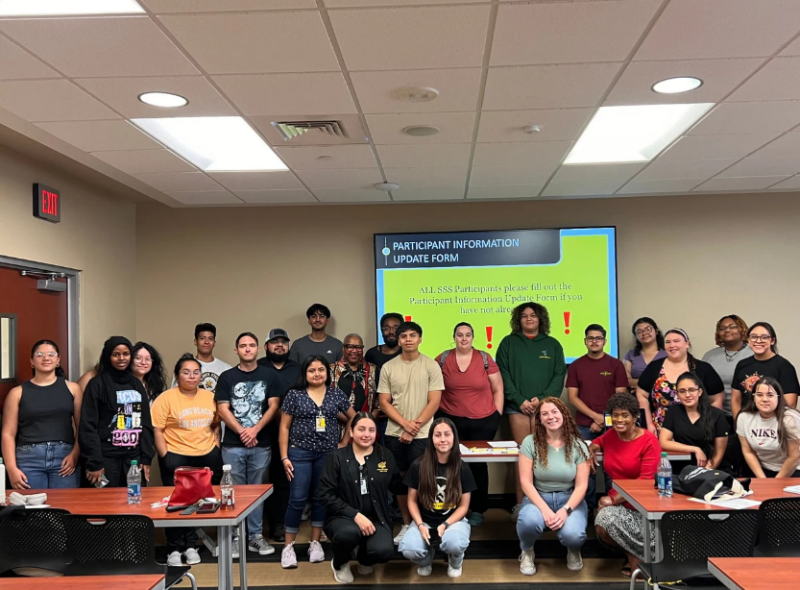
{"type": "Point", "coordinates": [278, 534]}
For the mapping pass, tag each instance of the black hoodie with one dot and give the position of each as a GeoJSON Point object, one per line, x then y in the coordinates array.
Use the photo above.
{"type": "Point", "coordinates": [115, 415]}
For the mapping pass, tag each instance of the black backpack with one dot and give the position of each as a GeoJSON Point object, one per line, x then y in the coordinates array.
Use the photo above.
{"type": "Point", "coordinates": [708, 484]}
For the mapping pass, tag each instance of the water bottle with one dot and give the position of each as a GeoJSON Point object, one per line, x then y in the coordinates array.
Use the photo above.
{"type": "Point", "coordinates": [226, 486]}
{"type": "Point", "coordinates": [134, 484]}
{"type": "Point", "coordinates": [2, 482]}
{"type": "Point", "coordinates": [664, 477]}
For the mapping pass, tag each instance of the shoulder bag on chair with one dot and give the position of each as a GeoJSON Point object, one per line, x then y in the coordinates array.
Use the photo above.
{"type": "Point", "coordinates": [709, 484]}
{"type": "Point", "coordinates": [192, 484]}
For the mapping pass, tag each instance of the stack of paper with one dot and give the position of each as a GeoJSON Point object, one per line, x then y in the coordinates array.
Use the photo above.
{"type": "Point", "coordinates": [792, 489]}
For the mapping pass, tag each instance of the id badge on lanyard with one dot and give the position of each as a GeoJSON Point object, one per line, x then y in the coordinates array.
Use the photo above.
{"type": "Point", "coordinates": [320, 424]}
{"type": "Point", "coordinates": [364, 488]}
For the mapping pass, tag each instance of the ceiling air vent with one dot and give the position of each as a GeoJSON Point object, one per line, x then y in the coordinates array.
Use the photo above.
{"type": "Point", "coordinates": [290, 130]}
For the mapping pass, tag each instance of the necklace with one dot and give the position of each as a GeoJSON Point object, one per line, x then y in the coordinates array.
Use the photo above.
{"type": "Point", "coordinates": [729, 357]}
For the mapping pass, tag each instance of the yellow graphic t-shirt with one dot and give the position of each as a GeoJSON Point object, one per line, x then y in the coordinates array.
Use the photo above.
{"type": "Point", "coordinates": [187, 421]}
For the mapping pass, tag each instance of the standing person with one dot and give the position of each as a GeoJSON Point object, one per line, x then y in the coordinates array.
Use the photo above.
{"type": "Point", "coordinates": [591, 381]}
{"type": "Point", "coordinates": [205, 339]}
{"type": "Point", "coordinates": [318, 343]}
{"type": "Point", "coordinates": [309, 433]}
{"type": "Point", "coordinates": [657, 390]}
{"type": "Point", "coordinates": [765, 362]}
{"type": "Point", "coordinates": [532, 365]}
{"type": "Point", "coordinates": [356, 377]}
{"type": "Point", "coordinates": [649, 347]}
{"type": "Point", "coordinates": [148, 367]}
{"type": "Point", "coordinates": [285, 373]}
{"type": "Point", "coordinates": [115, 426]}
{"type": "Point", "coordinates": [555, 485]}
{"type": "Point", "coordinates": [731, 338]}
{"type": "Point", "coordinates": [40, 420]}
{"type": "Point", "coordinates": [381, 354]}
{"type": "Point", "coordinates": [440, 485]}
{"type": "Point", "coordinates": [186, 433]}
{"type": "Point", "coordinates": [770, 432]}
{"type": "Point", "coordinates": [473, 400]}
{"type": "Point", "coordinates": [247, 400]}
{"type": "Point", "coordinates": [354, 488]}
{"type": "Point", "coordinates": [409, 392]}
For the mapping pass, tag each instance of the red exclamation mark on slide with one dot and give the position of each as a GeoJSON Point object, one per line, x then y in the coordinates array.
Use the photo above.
{"type": "Point", "coordinates": [488, 336]}
{"type": "Point", "coordinates": [408, 318]}
{"type": "Point", "coordinates": [566, 321]}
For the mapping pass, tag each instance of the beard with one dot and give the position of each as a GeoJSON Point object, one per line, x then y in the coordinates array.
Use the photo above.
{"type": "Point", "coordinates": [391, 341]}
{"type": "Point", "coordinates": [277, 358]}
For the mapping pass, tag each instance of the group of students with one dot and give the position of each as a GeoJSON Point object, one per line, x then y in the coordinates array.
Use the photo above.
{"type": "Point", "coordinates": [359, 434]}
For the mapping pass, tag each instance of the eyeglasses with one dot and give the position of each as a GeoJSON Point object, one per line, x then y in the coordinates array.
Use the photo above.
{"type": "Point", "coordinates": [190, 373]}
{"type": "Point", "coordinates": [595, 339]}
{"type": "Point", "coordinates": [759, 338]}
{"type": "Point", "coordinates": [354, 347]}
{"type": "Point", "coordinates": [728, 327]}
{"type": "Point", "coordinates": [768, 395]}
{"type": "Point", "coordinates": [141, 361]}
{"type": "Point", "coordinates": [50, 355]}
{"type": "Point", "coordinates": [691, 390]}
{"type": "Point", "coordinates": [643, 331]}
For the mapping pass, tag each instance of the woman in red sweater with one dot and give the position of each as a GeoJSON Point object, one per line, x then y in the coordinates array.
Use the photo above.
{"type": "Point", "coordinates": [629, 452]}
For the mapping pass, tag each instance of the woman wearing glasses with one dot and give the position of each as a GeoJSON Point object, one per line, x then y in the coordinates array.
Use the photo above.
{"type": "Point", "coordinates": [356, 377]}
{"type": "Point", "coordinates": [731, 338]}
{"type": "Point", "coordinates": [649, 347]}
{"type": "Point", "coordinates": [40, 419]}
{"type": "Point", "coordinates": [148, 368]}
{"type": "Point", "coordinates": [765, 362]}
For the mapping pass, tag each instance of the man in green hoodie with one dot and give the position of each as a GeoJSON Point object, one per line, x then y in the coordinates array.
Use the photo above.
{"type": "Point", "coordinates": [532, 365]}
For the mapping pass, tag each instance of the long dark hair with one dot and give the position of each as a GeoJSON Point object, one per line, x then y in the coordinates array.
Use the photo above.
{"type": "Point", "coordinates": [768, 328]}
{"type": "Point", "coordinates": [540, 311]}
{"type": "Point", "coordinates": [429, 470]}
{"type": "Point", "coordinates": [704, 409]}
{"type": "Point", "coordinates": [59, 369]}
{"type": "Point", "coordinates": [302, 380]}
{"type": "Point", "coordinates": [637, 349]}
{"type": "Point", "coordinates": [780, 411]}
{"type": "Point", "coordinates": [154, 381]}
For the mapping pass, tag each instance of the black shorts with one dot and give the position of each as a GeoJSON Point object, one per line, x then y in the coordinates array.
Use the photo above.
{"type": "Point", "coordinates": [405, 454]}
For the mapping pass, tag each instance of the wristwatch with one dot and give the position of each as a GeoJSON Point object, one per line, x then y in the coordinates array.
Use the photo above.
{"type": "Point", "coordinates": [446, 525]}
{"type": "Point", "coordinates": [568, 509]}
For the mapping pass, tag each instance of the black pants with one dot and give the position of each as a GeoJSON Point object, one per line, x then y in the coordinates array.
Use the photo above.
{"type": "Point", "coordinates": [734, 458]}
{"type": "Point", "coordinates": [116, 471]}
{"type": "Point", "coordinates": [482, 429]}
{"type": "Point", "coordinates": [278, 501]}
{"type": "Point", "coordinates": [180, 538]}
{"type": "Point", "coordinates": [773, 474]}
{"type": "Point", "coordinates": [346, 536]}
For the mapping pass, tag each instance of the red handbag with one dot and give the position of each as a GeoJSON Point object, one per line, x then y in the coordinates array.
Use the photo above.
{"type": "Point", "coordinates": [192, 484]}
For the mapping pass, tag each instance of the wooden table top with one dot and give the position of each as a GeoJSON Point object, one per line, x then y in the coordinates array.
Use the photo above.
{"type": "Point", "coordinates": [756, 573]}
{"type": "Point", "coordinates": [643, 495]}
{"type": "Point", "coordinates": [137, 582]}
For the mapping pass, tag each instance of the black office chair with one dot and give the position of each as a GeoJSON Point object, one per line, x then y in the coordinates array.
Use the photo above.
{"type": "Point", "coordinates": [778, 528]}
{"type": "Point", "coordinates": [33, 538]}
{"type": "Point", "coordinates": [690, 537]}
{"type": "Point", "coordinates": [117, 545]}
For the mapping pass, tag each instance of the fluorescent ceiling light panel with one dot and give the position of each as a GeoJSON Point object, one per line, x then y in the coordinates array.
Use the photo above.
{"type": "Point", "coordinates": [67, 7]}
{"type": "Point", "coordinates": [633, 133]}
{"type": "Point", "coordinates": [214, 144]}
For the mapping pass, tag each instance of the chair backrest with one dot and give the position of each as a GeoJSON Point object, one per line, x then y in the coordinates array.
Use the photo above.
{"type": "Point", "coordinates": [779, 528]}
{"type": "Point", "coordinates": [696, 535]}
{"type": "Point", "coordinates": [33, 538]}
{"type": "Point", "coordinates": [111, 545]}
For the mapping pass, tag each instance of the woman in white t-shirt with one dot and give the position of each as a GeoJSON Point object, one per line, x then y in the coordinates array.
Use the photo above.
{"type": "Point", "coordinates": [770, 432]}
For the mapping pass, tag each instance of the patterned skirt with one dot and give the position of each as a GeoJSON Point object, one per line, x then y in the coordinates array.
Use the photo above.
{"type": "Point", "coordinates": [626, 527]}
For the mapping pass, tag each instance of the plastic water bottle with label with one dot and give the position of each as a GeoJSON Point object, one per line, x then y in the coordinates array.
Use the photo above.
{"type": "Point", "coordinates": [134, 484]}
{"type": "Point", "coordinates": [226, 487]}
{"type": "Point", "coordinates": [664, 477]}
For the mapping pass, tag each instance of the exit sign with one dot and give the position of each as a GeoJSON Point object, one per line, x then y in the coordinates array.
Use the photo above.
{"type": "Point", "coordinates": [46, 203]}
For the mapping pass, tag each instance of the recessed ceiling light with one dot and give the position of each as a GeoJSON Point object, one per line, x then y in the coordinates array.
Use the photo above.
{"type": "Point", "coordinates": [677, 85]}
{"type": "Point", "coordinates": [163, 99]}
{"type": "Point", "coordinates": [214, 143]}
{"type": "Point", "coordinates": [386, 186]}
{"type": "Point", "coordinates": [633, 133]}
{"type": "Point", "coordinates": [421, 130]}
{"type": "Point", "coordinates": [67, 7]}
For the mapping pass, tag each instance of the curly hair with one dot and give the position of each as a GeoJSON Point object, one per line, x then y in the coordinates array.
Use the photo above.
{"type": "Point", "coordinates": [154, 382]}
{"type": "Point", "coordinates": [623, 401]}
{"type": "Point", "coordinates": [538, 309]}
{"type": "Point", "coordinates": [569, 429]}
{"type": "Point", "coordinates": [740, 323]}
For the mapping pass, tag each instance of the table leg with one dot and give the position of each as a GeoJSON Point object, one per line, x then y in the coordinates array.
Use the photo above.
{"type": "Point", "coordinates": [242, 556]}
{"type": "Point", "coordinates": [225, 558]}
{"type": "Point", "coordinates": [659, 547]}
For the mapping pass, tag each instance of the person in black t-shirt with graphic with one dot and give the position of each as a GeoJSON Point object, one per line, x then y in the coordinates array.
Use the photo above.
{"type": "Point", "coordinates": [765, 362]}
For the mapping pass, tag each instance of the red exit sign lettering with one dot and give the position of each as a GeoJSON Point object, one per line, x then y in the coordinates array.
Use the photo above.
{"type": "Point", "coordinates": [46, 203]}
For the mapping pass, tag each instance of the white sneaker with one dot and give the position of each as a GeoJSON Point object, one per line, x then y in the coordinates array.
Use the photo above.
{"type": "Point", "coordinates": [454, 566]}
{"type": "Point", "coordinates": [316, 554]}
{"type": "Point", "coordinates": [365, 570]}
{"type": "Point", "coordinates": [235, 548]}
{"type": "Point", "coordinates": [401, 534]}
{"type": "Point", "coordinates": [192, 556]}
{"type": "Point", "coordinates": [574, 560]}
{"type": "Point", "coordinates": [174, 559]}
{"type": "Point", "coordinates": [344, 575]}
{"type": "Point", "coordinates": [425, 570]}
{"type": "Point", "coordinates": [288, 557]}
{"type": "Point", "coordinates": [515, 513]}
{"type": "Point", "coordinates": [258, 544]}
{"type": "Point", "coordinates": [526, 565]}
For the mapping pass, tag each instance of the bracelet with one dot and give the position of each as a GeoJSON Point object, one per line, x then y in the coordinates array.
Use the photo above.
{"type": "Point", "coordinates": [284, 459]}
{"type": "Point", "coordinates": [420, 524]}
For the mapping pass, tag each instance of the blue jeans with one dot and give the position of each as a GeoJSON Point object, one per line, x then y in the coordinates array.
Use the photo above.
{"type": "Point", "coordinates": [249, 466]}
{"type": "Point", "coordinates": [308, 466]}
{"type": "Point", "coordinates": [41, 463]}
{"type": "Point", "coordinates": [531, 526]}
{"type": "Point", "coordinates": [454, 543]}
{"type": "Point", "coordinates": [591, 491]}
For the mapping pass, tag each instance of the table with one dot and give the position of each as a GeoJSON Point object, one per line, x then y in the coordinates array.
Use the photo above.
{"type": "Point", "coordinates": [513, 458]}
{"type": "Point", "coordinates": [115, 501]}
{"type": "Point", "coordinates": [756, 573]}
{"type": "Point", "coordinates": [135, 582]}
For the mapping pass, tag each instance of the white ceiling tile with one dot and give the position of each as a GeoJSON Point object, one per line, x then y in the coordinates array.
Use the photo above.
{"type": "Point", "coordinates": [778, 80]}
{"type": "Point", "coordinates": [314, 158]}
{"type": "Point", "coordinates": [301, 94]}
{"type": "Point", "coordinates": [539, 154]}
{"type": "Point", "coordinates": [108, 46]}
{"type": "Point", "coordinates": [101, 136]}
{"type": "Point", "coordinates": [790, 183]}
{"type": "Point", "coordinates": [543, 87]}
{"type": "Point", "coordinates": [719, 77]}
{"type": "Point", "coordinates": [343, 178]}
{"type": "Point", "coordinates": [792, 49]}
{"type": "Point", "coordinates": [596, 172]}
{"type": "Point", "coordinates": [406, 38]}
{"type": "Point", "coordinates": [783, 147]}
{"type": "Point", "coordinates": [145, 161]}
{"type": "Point", "coordinates": [423, 177]}
{"type": "Point", "coordinates": [696, 29]}
{"type": "Point", "coordinates": [351, 195]}
{"type": "Point", "coordinates": [363, 3]}
{"type": "Point", "coordinates": [247, 181]}
{"type": "Point", "coordinates": [511, 191]}
{"type": "Point", "coordinates": [245, 43]}
{"type": "Point", "coordinates": [569, 32]}
{"type": "Point", "coordinates": [424, 156]}
{"type": "Point", "coordinates": [707, 147]}
{"type": "Point", "coordinates": [580, 189]}
{"type": "Point", "coordinates": [458, 90]}
{"type": "Point", "coordinates": [181, 181]}
{"type": "Point", "coordinates": [17, 64]}
{"type": "Point", "coordinates": [749, 117]}
{"type": "Point", "coordinates": [695, 169]}
{"type": "Point", "coordinates": [434, 193]}
{"type": "Point", "coordinates": [739, 183]}
{"type": "Point", "coordinates": [454, 127]}
{"type": "Point", "coordinates": [491, 176]}
{"type": "Point", "coordinates": [664, 185]}
{"type": "Point", "coordinates": [122, 94]}
{"type": "Point", "coordinates": [205, 198]}
{"type": "Point", "coordinates": [502, 126]}
{"type": "Point", "coordinates": [35, 100]}
{"type": "Point", "coordinates": [755, 166]}
{"type": "Point", "coordinates": [283, 197]}
{"type": "Point", "coordinates": [192, 6]}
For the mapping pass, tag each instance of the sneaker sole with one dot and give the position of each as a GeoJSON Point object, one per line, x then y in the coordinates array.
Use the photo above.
{"type": "Point", "coordinates": [336, 578]}
{"type": "Point", "coordinates": [528, 573]}
{"type": "Point", "coordinates": [575, 568]}
{"type": "Point", "coordinates": [289, 567]}
{"type": "Point", "coordinates": [268, 552]}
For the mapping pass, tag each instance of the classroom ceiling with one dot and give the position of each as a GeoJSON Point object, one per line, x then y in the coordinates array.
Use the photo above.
{"type": "Point", "coordinates": [499, 66]}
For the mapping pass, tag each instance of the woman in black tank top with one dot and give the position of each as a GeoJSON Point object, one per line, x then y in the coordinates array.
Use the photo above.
{"type": "Point", "coordinates": [40, 419]}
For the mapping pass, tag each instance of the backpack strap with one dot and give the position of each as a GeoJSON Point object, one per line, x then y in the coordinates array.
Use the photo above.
{"type": "Point", "coordinates": [443, 358]}
{"type": "Point", "coordinates": [485, 358]}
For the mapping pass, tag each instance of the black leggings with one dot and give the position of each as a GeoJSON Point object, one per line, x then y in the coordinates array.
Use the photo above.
{"type": "Point", "coordinates": [278, 501]}
{"type": "Point", "coordinates": [481, 429]}
{"type": "Point", "coordinates": [346, 536]}
{"type": "Point", "coordinates": [116, 471]}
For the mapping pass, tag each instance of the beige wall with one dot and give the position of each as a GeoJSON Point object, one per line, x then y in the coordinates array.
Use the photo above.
{"type": "Point", "coordinates": [97, 235]}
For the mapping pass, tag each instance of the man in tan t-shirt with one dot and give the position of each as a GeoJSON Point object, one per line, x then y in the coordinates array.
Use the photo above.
{"type": "Point", "coordinates": [409, 391]}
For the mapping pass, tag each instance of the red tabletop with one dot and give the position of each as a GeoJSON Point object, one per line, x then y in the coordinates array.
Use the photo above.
{"type": "Point", "coordinates": [137, 582]}
{"type": "Point", "coordinates": [756, 573]}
